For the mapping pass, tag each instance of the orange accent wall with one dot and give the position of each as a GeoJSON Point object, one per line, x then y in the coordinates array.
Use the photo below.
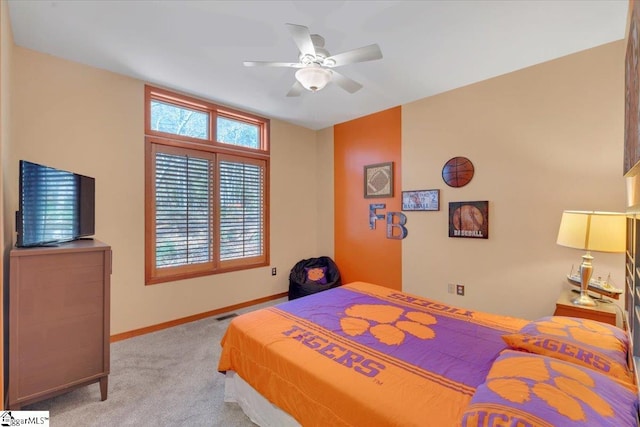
{"type": "Point", "coordinates": [361, 253]}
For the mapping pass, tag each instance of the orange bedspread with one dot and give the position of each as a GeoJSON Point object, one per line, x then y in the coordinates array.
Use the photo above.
{"type": "Point", "coordinates": [364, 355]}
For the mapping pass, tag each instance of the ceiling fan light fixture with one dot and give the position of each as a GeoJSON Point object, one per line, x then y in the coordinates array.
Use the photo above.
{"type": "Point", "coordinates": [313, 78]}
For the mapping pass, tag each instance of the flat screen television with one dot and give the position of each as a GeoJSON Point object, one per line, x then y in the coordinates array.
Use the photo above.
{"type": "Point", "coordinates": [55, 206]}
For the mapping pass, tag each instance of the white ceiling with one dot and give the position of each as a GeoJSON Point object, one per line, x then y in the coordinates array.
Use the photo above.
{"type": "Point", "coordinates": [428, 47]}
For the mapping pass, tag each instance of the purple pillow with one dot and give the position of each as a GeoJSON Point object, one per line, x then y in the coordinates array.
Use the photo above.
{"type": "Point", "coordinates": [584, 342]}
{"type": "Point", "coordinates": [316, 275]}
{"type": "Point", "coordinates": [527, 389]}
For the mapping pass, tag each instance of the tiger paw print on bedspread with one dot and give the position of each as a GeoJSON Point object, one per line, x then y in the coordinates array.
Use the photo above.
{"type": "Point", "coordinates": [388, 324]}
{"type": "Point", "coordinates": [529, 390]}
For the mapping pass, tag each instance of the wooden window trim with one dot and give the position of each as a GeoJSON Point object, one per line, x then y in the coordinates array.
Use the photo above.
{"type": "Point", "coordinates": [218, 151]}
{"type": "Point", "coordinates": [214, 111]}
{"type": "Point", "coordinates": [262, 260]}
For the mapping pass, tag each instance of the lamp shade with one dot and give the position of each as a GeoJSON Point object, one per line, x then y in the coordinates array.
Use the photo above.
{"type": "Point", "coordinates": [593, 231]}
{"type": "Point", "coordinates": [313, 77]}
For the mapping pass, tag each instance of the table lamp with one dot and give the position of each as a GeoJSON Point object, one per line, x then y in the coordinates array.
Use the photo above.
{"type": "Point", "coordinates": [591, 231]}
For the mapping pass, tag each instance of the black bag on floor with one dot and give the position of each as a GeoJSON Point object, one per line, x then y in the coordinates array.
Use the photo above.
{"type": "Point", "coordinates": [313, 275]}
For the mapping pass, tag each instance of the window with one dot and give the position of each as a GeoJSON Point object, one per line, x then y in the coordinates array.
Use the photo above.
{"type": "Point", "coordinates": [179, 120]}
{"type": "Point", "coordinates": [206, 188]}
{"type": "Point", "coordinates": [235, 132]}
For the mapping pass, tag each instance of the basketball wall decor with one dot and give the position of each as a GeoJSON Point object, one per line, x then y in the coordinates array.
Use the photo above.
{"type": "Point", "coordinates": [378, 180]}
{"type": "Point", "coordinates": [457, 172]}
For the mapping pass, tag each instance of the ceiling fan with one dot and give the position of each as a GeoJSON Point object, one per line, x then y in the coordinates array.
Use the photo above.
{"type": "Point", "coordinates": [316, 65]}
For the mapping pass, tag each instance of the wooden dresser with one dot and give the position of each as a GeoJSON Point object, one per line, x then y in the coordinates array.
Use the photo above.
{"type": "Point", "coordinates": [58, 320]}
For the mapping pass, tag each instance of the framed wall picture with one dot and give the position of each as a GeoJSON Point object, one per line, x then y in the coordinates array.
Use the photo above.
{"type": "Point", "coordinates": [469, 219]}
{"type": "Point", "coordinates": [378, 180]}
{"type": "Point", "coordinates": [632, 93]}
{"type": "Point", "coordinates": [421, 200]}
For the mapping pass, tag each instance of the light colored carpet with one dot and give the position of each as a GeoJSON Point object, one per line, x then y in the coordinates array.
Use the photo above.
{"type": "Point", "coordinates": [165, 378]}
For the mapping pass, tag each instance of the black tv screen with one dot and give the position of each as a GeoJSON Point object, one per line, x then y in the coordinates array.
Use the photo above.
{"type": "Point", "coordinates": [54, 205]}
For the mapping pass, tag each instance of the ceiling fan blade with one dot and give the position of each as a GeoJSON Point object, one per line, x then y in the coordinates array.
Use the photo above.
{"type": "Point", "coordinates": [302, 38]}
{"type": "Point", "coordinates": [271, 64]}
{"type": "Point", "coordinates": [296, 89]}
{"type": "Point", "coordinates": [366, 53]}
{"type": "Point", "coordinates": [345, 83]}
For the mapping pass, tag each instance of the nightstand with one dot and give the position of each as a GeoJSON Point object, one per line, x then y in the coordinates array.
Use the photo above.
{"type": "Point", "coordinates": [602, 312]}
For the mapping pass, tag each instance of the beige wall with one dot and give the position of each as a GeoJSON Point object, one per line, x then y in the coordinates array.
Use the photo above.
{"type": "Point", "coordinates": [90, 121]}
{"type": "Point", "coordinates": [543, 139]}
{"type": "Point", "coordinates": [6, 55]}
{"type": "Point", "coordinates": [324, 192]}
{"type": "Point", "coordinates": [6, 60]}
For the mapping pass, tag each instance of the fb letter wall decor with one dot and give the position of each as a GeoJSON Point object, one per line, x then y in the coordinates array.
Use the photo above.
{"type": "Point", "coordinates": [373, 216]}
{"type": "Point", "coordinates": [395, 221]}
{"type": "Point", "coordinates": [396, 229]}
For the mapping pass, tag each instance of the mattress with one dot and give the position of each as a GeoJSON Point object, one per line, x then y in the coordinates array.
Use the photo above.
{"type": "Point", "coordinates": [259, 410]}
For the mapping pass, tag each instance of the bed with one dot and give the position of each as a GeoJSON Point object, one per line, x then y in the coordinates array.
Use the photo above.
{"type": "Point", "coordinates": [363, 354]}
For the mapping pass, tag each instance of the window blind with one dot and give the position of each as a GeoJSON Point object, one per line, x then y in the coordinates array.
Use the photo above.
{"type": "Point", "coordinates": [183, 186]}
{"type": "Point", "coordinates": [241, 209]}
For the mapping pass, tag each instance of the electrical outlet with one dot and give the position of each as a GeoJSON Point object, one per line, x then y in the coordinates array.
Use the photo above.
{"type": "Point", "coordinates": [451, 288]}
{"type": "Point", "coordinates": [273, 271]}
{"type": "Point", "coordinates": [460, 290]}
